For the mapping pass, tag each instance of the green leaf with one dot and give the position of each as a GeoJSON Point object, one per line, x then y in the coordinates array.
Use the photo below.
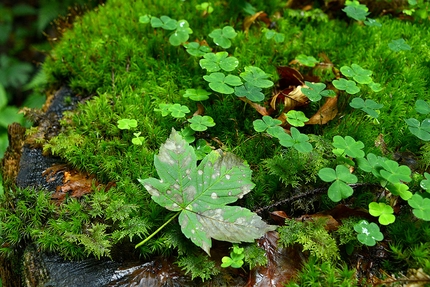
{"type": "Point", "coordinates": [372, 164]}
{"type": "Point", "coordinates": [269, 124]}
{"type": "Point", "coordinates": [339, 189]}
{"type": "Point", "coordinates": [236, 258]}
{"type": "Point", "coordinates": [164, 109]}
{"type": "Point", "coordinates": [308, 61]}
{"type": "Point", "coordinates": [10, 115]}
{"type": "Point", "coordinates": [360, 75]}
{"type": "Point", "coordinates": [421, 107]}
{"type": "Point", "coordinates": [356, 12]}
{"type": "Point", "coordinates": [187, 134]}
{"type": "Point", "coordinates": [314, 92]}
{"type": "Point", "coordinates": [383, 211]}
{"type": "Point", "coordinates": [394, 173]}
{"type": "Point", "coordinates": [202, 149]}
{"type": "Point", "coordinates": [3, 97]}
{"type": "Point", "coordinates": [221, 83]}
{"type": "Point", "coordinates": [221, 37]}
{"type": "Point", "coordinates": [181, 34]}
{"type": "Point", "coordinates": [126, 124]}
{"type": "Point", "coordinates": [297, 140]}
{"type": "Point", "coordinates": [145, 19]}
{"type": "Point", "coordinates": [194, 49]}
{"type": "Point", "coordinates": [399, 45]}
{"type": "Point", "coordinates": [137, 140]}
{"type": "Point", "coordinates": [214, 62]}
{"type": "Point", "coordinates": [164, 22]}
{"type": "Point", "coordinates": [197, 94]}
{"type": "Point", "coordinates": [271, 34]}
{"type": "Point", "coordinates": [346, 85]}
{"type": "Point", "coordinates": [375, 87]}
{"type": "Point", "coordinates": [368, 233]}
{"type": "Point", "coordinates": [256, 77]}
{"type": "Point", "coordinates": [200, 193]}
{"type": "Point", "coordinates": [205, 6]}
{"type": "Point", "coordinates": [421, 206]}
{"type": "Point", "coordinates": [178, 111]}
{"type": "Point", "coordinates": [249, 91]}
{"type": "Point", "coordinates": [400, 189]}
{"type": "Point", "coordinates": [199, 123]}
{"type": "Point", "coordinates": [425, 183]}
{"type": "Point", "coordinates": [372, 23]}
{"type": "Point", "coordinates": [296, 118]}
{"type": "Point", "coordinates": [349, 146]}
{"type": "Point", "coordinates": [368, 106]}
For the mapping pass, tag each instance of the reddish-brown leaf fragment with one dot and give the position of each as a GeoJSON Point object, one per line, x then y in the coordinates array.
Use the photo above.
{"type": "Point", "coordinates": [325, 114]}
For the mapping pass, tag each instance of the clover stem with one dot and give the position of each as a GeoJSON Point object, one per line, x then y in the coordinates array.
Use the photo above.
{"type": "Point", "coordinates": [158, 230]}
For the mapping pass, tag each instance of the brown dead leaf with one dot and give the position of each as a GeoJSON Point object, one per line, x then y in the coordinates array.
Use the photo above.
{"type": "Point", "coordinates": [325, 114]}
{"type": "Point", "coordinates": [260, 109]}
{"type": "Point", "coordinates": [251, 19]}
{"type": "Point", "coordinates": [200, 110]}
{"type": "Point", "coordinates": [279, 216]}
{"type": "Point", "coordinates": [293, 99]}
{"type": "Point", "coordinates": [289, 77]}
{"type": "Point", "coordinates": [331, 224]}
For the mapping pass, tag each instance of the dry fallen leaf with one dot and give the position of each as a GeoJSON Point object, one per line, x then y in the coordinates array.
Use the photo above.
{"type": "Point", "coordinates": [325, 114]}
{"type": "Point", "coordinates": [251, 19]}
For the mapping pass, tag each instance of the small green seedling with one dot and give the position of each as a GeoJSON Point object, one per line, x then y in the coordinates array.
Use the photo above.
{"type": "Point", "coordinates": [126, 124]}
{"type": "Point", "coordinates": [196, 94]}
{"type": "Point", "coordinates": [421, 206]}
{"type": "Point", "coordinates": [346, 85]}
{"type": "Point", "coordinates": [196, 50]}
{"type": "Point", "coordinates": [369, 106]}
{"type": "Point", "coordinates": [308, 61]}
{"type": "Point", "coordinates": [296, 118]}
{"type": "Point", "coordinates": [271, 34]}
{"type": "Point", "coordinates": [206, 7]}
{"type": "Point", "coordinates": [221, 37]}
{"type": "Point", "coordinates": [339, 189]}
{"type": "Point", "coordinates": [355, 10]}
{"type": "Point", "coordinates": [368, 233]}
{"type": "Point", "coordinates": [138, 140]}
{"type": "Point", "coordinates": [348, 146]}
{"type": "Point", "coordinates": [269, 125]}
{"type": "Point", "coordinates": [249, 91]}
{"type": "Point", "coordinates": [316, 91]}
{"type": "Point", "coordinates": [296, 140]}
{"type": "Point", "coordinates": [202, 149]}
{"type": "Point", "coordinates": [422, 107]}
{"type": "Point", "coordinates": [213, 62]}
{"type": "Point", "coordinates": [360, 75]}
{"type": "Point", "coordinates": [399, 45]}
{"type": "Point", "coordinates": [256, 77]}
{"type": "Point", "coordinates": [221, 83]}
{"type": "Point", "coordinates": [425, 183]}
{"type": "Point", "coordinates": [421, 130]}
{"type": "Point", "coordinates": [383, 211]}
{"type": "Point", "coordinates": [181, 34]}
{"type": "Point", "coordinates": [236, 258]}
{"type": "Point", "coordinates": [199, 123]}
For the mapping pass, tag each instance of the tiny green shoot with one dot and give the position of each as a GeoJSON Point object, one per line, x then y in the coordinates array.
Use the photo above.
{"type": "Point", "coordinates": [236, 258]}
{"type": "Point", "coordinates": [138, 140]}
{"type": "Point", "coordinates": [126, 124]}
{"type": "Point", "coordinates": [276, 36]}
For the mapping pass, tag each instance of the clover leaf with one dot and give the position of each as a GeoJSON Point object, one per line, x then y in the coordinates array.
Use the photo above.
{"type": "Point", "coordinates": [308, 61]}
{"type": "Point", "coordinates": [422, 107]}
{"type": "Point", "coordinates": [400, 189]}
{"type": "Point", "coordinates": [221, 83]}
{"type": "Point", "coordinates": [138, 140]}
{"type": "Point", "coordinates": [269, 124]}
{"type": "Point", "coordinates": [164, 22]}
{"type": "Point", "coordinates": [384, 211]}
{"type": "Point", "coordinates": [236, 258]}
{"type": "Point", "coordinates": [368, 233]}
{"type": "Point", "coordinates": [249, 91]}
{"type": "Point", "coordinates": [356, 10]}
{"type": "Point", "coordinates": [399, 45]}
{"type": "Point", "coordinates": [181, 34]}
{"type": "Point", "coordinates": [126, 124]}
{"type": "Point", "coordinates": [205, 7]}
{"type": "Point", "coordinates": [297, 140]}
{"type": "Point", "coordinates": [164, 109]}
{"type": "Point", "coordinates": [296, 118]}
{"type": "Point", "coordinates": [421, 206]}
{"type": "Point", "coordinates": [376, 87]}
{"type": "Point", "coordinates": [145, 19]}
{"type": "Point", "coordinates": [221, 37]}
{"type": "Point", "coordinates": [394, 173]}
{"type": "Point", "coordinates": [360, 75]}
{"type": "Point", "coordinates": [348, 146]}
{"type": "Point", "coordinates": [202, 149]}
{"type": "Point", "coordinates": [271, 34]}
{"type": "Point", "coordinates": [368, 106]}
{"type": "Point", "coordinates": [346, 85]}
{"type": "Point", "coordinates": [339, 189]}
{"type": "Point", "coordinates": [199, 123]}
{"type": "Point", "coordinates": [196, 94]}
{"type": "Point", "coordinates": [314, 92]}
{"type": "Point", "coordinates": [200, 193]}
{"type": "Point", "coordinates": [372, 164]}
{"type": "Point", "coordinates": [178, 111]}
{"type": "Point", "coordinates": [214, 62]}
{"type": "Point", "coordinates": [421, 130]}
{"type": "Point", "coordinates": [196, 50]}
{"type": "Point", "coordinates": [256, 77]}
{"type": "Point", "coordinates": [372, 23]}
{"type": "Point", "coordinates": [425, 183]}
{"type": "Point", "coordinates": [187, 134]}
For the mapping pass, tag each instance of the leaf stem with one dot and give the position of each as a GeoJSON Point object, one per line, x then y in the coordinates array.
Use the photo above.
{"type": "Point", "coordinates": [158, 230]}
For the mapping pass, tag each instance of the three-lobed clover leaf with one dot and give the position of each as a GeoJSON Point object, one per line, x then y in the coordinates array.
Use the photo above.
{"type": "Point", "coordinates": [355, 10]}
{"type": "Point", "coordinates": [368, 233]}
{"type": "Point", "coordinates": [221, 83]}
{"type": "Point", "coordinates": [187, 134]}
{"type": "Point", "coordinates": [372, 23]}
{"type": "Point", "coordinates": [376, 87]}
{"type": "Point", "coordinates": [399, 45]}
{"type": "Point", "coordinates": [360, 75]}
{"type": "Point", "coordinates": [178, 110]}
{"type": "Point", "coordinates": [205, 7]}
{"type": "Point", "coordinates": [221, 37]}
{"type": "Point", "coordinates": [256, 77]}
{"type": "Point", "coordinates": [126, 124]}
{"type": "Point", "coordinates": [296, 118]}
{"type": "Point", "coordinates": [422, 107]}
{"type": "Point", "coordinates": [368, 106]}
{"type": "Point", "coordinates": [339, 189]}
{"type": "Point", "coordinates": [421, 130]}
{"type": "Point", "coordinates": [394, 173]}
{"type": "Point", "coordinates": [346, 85]}
{"type": "Point", "coordinates": [383, 211]}
{"type": "Point", "coordinates": [425, 183]}
{"type": "Point", "coordinates": [269, 124]}
{"type": "Point", "coordinates": [400, 189]}
{"type": "Point", "coordinates": [181, 34]}
{"type": "Point", "coordinates": [197, 94]}
{"type": "Point", "coordinates": [296, 140]}
{"type": "Point", "coordinates": [214, 62]}
{"type": "Point", "coordinates": [164, 22]}
{"type": "Point", "coordinates": [236, 258]}
{"type": "Point", "coordinates": [371, 163]}
{"type": "Point", "coordinates": [201, 193]}
{"type": "Point", "coordinates": [164, 109]}
{"type": "Point", "coordinates": [316, 91]}
{"type": "Point", "coordinates": [249, 91]}
{"type": "Point", "coordinates": [421, 206]}
{"type": "Point", "coordinates": [145, 19]}
{"type": "Point", "coordinates": [271, 34]}
{"type": "Point", "coordinates": [348, 146]}
{"type": "Point", "coordinates": [201, 123]}
{"type": "Point", "coordinates": [138, 140]}
{"type": "Point", "coordinates": [202, 149]}
{"type": "Point", "coordinates": [196, 50]}
{"type": "Point", "coordinates": [308, 61]}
